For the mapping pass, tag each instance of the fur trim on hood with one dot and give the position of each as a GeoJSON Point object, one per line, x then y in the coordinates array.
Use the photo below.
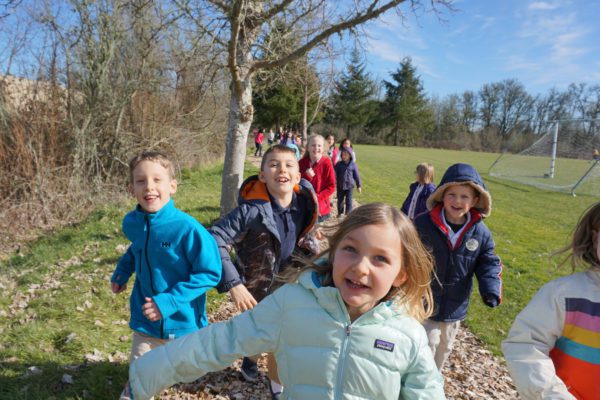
{"type": "Point", "coordinates": [461, 174]}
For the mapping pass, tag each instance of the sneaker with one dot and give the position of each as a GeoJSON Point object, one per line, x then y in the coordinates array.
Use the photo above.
{"type": "Point", "coordinates": [274, 395]}
{"type": "Point", "coordinates": [249, 370]}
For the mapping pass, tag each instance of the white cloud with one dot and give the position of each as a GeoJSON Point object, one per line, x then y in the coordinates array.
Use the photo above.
{"type": "Point", "coordinates": [542, 6]}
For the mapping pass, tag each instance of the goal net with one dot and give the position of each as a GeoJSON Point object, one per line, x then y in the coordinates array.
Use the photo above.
{"type": "Point", "coordinates": [563, 159]}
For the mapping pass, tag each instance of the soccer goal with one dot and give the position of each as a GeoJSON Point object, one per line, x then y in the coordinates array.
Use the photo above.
{"type": "Point", "coordinates": [566, 158]}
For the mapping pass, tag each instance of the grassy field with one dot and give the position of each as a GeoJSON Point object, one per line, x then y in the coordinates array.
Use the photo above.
{"type": "Point", "coordinates": [58, 315]}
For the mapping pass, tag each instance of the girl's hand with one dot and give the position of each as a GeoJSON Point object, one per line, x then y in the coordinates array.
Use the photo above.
{"type": "Point", "coordinates": [359, 190]}
{"type": "Point", "coordinates": [151, 310]}
{"type": "Point", "coordinates": [242, 298]}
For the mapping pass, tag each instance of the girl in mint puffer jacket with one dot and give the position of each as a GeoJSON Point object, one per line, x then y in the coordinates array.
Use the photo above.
{"type": "Point", "coordinates": [348, 328]}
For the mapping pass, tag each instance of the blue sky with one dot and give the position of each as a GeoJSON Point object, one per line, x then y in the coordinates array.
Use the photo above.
{"type": "Point", "coordinates": [543, 44]}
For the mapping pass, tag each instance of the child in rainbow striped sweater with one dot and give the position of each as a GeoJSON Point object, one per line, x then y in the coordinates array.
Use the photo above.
{"type": "Point", "coordinates": [553, 347]}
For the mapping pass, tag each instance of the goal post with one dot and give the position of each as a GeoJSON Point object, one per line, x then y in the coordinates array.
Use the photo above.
{"type": "Point", "coordinates": [563, 159]}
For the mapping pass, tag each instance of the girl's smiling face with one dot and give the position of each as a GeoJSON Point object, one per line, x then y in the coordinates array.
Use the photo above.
{"type": "Point", "coordinates": [366, 265]}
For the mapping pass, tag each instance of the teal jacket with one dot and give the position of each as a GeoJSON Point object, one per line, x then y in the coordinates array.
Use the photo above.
{"type": "Point", "coordinates": [320, 354]}
{"type": "Point", "coordinates": [175, 261]}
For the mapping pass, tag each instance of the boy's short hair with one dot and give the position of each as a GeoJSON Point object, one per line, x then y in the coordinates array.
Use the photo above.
{"type": "Point", "coordinates": [424, 172]}
{"type": "Point", "coordinates": [463, 174]}
{"type": "Point", "coordinates": [278, 148]}
{"type": "Point", "coordinates": [153, 156]}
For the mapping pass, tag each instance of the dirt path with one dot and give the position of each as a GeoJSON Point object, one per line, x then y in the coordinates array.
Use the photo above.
{"type": "Point", "coordinates": [471, 373]}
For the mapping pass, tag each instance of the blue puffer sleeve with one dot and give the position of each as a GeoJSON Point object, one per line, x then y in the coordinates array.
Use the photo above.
{"type": "Point", "coordinates": [422, 379]}
{"type": "Point", "coordinates": [489, 270]}
{"type": "Point", "coordinates": [209, 349]}
{"type": "Point", "coordinates": [203, 254]}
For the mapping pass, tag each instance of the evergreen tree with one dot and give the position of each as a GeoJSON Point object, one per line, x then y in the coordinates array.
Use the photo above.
{"type": "Point", "coordinates": [405, 107]}
{"type": "Point", "coordinates": [351, 103]}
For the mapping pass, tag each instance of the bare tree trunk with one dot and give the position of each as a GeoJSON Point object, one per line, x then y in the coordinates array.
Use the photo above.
{"type": "Point", "coordinates": [305, 114]}
{"type": "Point", "coordinates": [240, 118]}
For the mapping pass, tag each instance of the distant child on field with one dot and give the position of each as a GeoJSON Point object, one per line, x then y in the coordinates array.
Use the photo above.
{"type": "Point", "coordinates": [174, 258]}
{"type": "Point", "coordinates": [318, 170]}
{"type": "Point", "coordinates": [346, 176]}
{"type": "Point", "coordinates": [346, 326]}
{"type": "Point", "coordinates": [462, 246]}
{"type": "Point", "coordinates": [289, 141]}
{"type": "Point", "coordinates": [259, 137]}
{"type": "Point", "coordinates": [271, 138]}
{"type": "Point", "coordinates": [420, 190]}
{"type": "Point", "coordinates": [332, 151]}
{"type": "Point", "coordinates": [275, 217]}
{"type": "Point", "coordinates": [346, 142]}
{"type": "Point", "coordinates": [553, 347]}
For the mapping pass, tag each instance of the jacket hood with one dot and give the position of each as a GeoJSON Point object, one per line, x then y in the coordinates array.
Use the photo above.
{"type": "Point", "coordinates": [253, 190]}
{"type": "Point", "coordinates": [349, 151]}
{"type": "Point", "coordinates": [461, 174]}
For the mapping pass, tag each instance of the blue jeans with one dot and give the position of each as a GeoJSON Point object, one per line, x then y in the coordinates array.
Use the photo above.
{"type": "Point", "coordinates": [344, 197]}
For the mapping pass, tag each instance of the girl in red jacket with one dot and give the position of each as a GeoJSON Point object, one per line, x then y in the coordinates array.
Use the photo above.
{"type": "Point", "coordinates": [318, 170]}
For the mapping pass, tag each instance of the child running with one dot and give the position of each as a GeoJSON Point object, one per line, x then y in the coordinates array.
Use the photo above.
{"type": "Point", "coordinates": [347, 328]}
{"type": "Point", "coordinates": [553, 347]}
{"type": "Point", "coordinates": [462, 246]}
{"type": "Point", "coordinates": [275, 217]}
{"type": "Point", "coordinates": [176, 261]}
{"type": "Point", "coordinates": [318, 170]}
{"type": "Point", "coordinates": [346, 176]}
{"type": "Point", "coordinates": [415, 203]}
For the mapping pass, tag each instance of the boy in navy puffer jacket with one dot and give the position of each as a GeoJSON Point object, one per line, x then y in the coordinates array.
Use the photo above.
{"type": "Point", "coordinates": [462, 246]}
{"type": "Point", "coordinates": [176, 260]}
{"type": "Point", "coordinates": [346, 175]}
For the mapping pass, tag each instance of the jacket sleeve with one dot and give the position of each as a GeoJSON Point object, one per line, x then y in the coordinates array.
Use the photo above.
{"type": "Point", "coordinates": [488, 270]}
{"type": "Point", "coordinates": [527, 347]}
{"type": "Point", "coordinates": [422, 379]}
{"type": "Point", "coordinates": [208, 349]}
{"type": "Point", "coordinates": [328, 187]}
{"type": "Point", "coordinates": [356, 176]}
{"type": "Point", "coordinates": [125, 268]}
{"type": "Point", "coordinates": [228, 231]}
{"type": "Point", "coordinates": [203, 255]}
{"type": "Point", "coordinates": [406, 203]}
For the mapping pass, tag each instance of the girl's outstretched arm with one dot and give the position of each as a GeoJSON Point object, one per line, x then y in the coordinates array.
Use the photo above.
{"type": "Point", "coordinates": [209, 349]}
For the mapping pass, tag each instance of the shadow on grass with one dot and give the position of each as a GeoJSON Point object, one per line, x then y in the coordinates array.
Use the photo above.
{"type": "Point", "coordinates": [102, 380]}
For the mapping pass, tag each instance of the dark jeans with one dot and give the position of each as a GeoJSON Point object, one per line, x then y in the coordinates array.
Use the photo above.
{"type": "Point", "coordinates": [344, 197]}
{"type": "Point", "coordinates": [258, 151]}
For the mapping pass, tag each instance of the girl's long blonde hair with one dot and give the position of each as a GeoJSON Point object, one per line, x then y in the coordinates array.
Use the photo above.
{"type": "Point", "coordinates": [415, 292]}
{"type": "Point", "coordinates": [581, 251]}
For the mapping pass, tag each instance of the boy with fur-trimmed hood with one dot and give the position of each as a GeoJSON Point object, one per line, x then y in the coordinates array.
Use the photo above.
{"type": "Point", "coordinates": [462, 246]}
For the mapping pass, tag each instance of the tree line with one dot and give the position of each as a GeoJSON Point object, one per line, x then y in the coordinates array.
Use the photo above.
{"type": "Point", "coordinates": [500, 116]}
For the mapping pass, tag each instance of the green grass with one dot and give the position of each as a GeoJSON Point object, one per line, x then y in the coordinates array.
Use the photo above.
{"type": "Point", "coordinates": [61, 280]}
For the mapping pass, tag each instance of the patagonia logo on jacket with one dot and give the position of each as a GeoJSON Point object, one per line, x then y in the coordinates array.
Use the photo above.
{"type": "Point", "coordinates": [383, 345]}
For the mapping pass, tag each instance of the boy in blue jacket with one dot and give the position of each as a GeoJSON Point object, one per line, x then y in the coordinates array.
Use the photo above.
{"type": "Point", "coordinates": [346, 176]}
{"type": "Point", "coordinates": [276, 213]}
{"type": "Point", "coordinates": [462, 246]}
{"type": "Point", "coordinates": [174, 257]}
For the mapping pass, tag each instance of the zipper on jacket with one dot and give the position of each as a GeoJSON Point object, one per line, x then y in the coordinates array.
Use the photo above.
{"type": "Point", "coordinates": [162, 321]}
{"type": "Point", "coordinates": [342, 364]}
